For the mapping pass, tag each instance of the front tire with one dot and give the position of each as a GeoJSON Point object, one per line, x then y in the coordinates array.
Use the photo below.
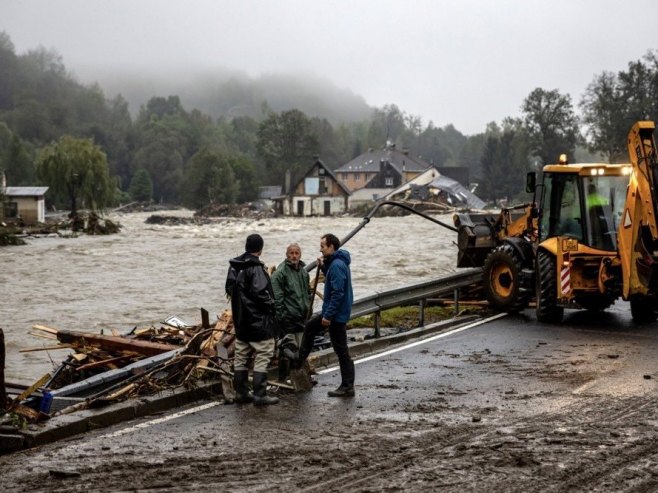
{"type": "Point", "coordinates": [502, 280]}
{"type": "Point", "coordinates": [547, 309]}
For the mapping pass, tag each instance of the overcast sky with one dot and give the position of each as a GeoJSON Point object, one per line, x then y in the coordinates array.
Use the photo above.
{"type": "Point", "coordinates": [461, 62]}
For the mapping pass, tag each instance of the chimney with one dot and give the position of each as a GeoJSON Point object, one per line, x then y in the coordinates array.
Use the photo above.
{"type": "Point", "coordinates": [286, 186]}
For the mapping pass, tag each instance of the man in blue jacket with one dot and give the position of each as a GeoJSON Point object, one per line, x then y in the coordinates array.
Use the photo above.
{"type": "Point", "coordinates": [336, 310]}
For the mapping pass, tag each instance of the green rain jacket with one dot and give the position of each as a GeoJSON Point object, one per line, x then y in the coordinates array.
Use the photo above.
{"type": "Point", "coordinates": [292, 296]}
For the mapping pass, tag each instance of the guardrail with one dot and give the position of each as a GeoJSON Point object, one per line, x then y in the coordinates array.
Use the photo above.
{"type": "Point", "coordinates": [412, 293]}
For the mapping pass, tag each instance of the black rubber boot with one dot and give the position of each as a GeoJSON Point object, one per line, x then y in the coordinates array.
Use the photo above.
{"type": "Point", "coordinates": [260, 390]}
{"type": "Point", "coordinates": [284, 368]}
{"type": "Point", "coordinates": [346, 388]}
{"type": "Point", "coordinates": [297, 358]}
{"type": "Point", "coordinates": [240, 382]}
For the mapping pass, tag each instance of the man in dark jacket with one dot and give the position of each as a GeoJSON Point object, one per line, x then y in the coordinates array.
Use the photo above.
{"type": "Point", "coordinates": [336, 310]}
{"type": "Point", "coordinates": [252, 302]}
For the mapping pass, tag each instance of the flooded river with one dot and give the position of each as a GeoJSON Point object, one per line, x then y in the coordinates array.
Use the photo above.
{"type": "Point", "coordinates": [146, 273]}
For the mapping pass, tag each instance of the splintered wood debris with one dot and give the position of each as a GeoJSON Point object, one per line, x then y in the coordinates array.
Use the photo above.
{"type": "Point", "coordinates": [156, 358]}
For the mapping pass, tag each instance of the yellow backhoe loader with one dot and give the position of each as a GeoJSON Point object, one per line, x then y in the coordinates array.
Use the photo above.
{"type": "Point", "coordinates": [592, 239]}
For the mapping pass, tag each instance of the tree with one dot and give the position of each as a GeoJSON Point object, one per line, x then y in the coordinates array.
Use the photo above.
{"type": "Point", "coordinates": [15, 158]}
{"type": "Point", "coordinates": [604, 113]}
{"type": "Point", "coordinates": [387, 124]}
{"type": "Point", "coordinates": [141, 186]}
{"type": "Point", "coordinates": [77, 169]}
{"type": "Point", "coordinates": [209, 179]}
{"type": "Point", "coordinates": [286, 141]}
{"type": "Point", "coordinates": [246, 178]}
{"type": "Point", "coordinates": [551, 124]}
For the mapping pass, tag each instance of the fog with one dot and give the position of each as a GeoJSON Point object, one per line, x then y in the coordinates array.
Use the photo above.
{"type": "Point", "coordinates": [461, 62]}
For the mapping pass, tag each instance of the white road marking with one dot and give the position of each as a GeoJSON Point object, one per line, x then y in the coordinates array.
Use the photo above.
{"type": "Point", "coordinates": [417, 343]}
{"type": "Point", "coordinates": [202, 407]}
{"type": "Point", "coordinates": [164, 419]}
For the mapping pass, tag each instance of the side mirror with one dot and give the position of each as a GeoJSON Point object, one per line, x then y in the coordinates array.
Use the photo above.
{"type": "Point", "coordinates": [530, 182]}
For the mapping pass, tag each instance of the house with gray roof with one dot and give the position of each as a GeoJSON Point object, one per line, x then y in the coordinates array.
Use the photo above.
{"type": "Point", "coordinates": [386, 168]}
{"type": "Point", "coordinates": [25, 203]}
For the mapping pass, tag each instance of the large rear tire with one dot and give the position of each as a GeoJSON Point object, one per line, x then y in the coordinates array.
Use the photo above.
{"type": "Point", "coordinates": [502, 280]}
{"type": "Point", "coordinates": [547, 309]}
{"type": "Point", "coordinates": [643, 310]}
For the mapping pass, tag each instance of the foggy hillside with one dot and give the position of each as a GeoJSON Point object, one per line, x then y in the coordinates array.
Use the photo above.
{"type": "Point", "coordinates": [231, 93]}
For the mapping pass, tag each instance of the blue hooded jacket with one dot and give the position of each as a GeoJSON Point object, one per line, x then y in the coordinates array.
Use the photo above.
{"type": "Point", "coordinates": [338, 296]}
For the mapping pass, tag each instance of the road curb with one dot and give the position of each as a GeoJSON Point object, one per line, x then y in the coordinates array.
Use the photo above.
{"type": "Point", "coordinates": [68, 425]}
{"type": "Point", "coordinates": [327, 357]}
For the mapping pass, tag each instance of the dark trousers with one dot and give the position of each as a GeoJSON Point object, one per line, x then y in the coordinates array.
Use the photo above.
{"type": "Point", "coordinates": [338, 336]}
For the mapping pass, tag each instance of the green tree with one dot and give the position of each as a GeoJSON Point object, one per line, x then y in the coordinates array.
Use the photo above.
{"type": "Point", "coordinates": [77, 169]}
{"type": "Point", "coordinates": [9, 83]}
{"type": "Point", "coordinates": [209, 179]}
{"type": "Point", "coordinates": [504, 160]}
{"type": "Point", "coordinates": [387, 124]}
{"type": "Point", "coordinates": [286, 141]}
{"type": "Point", "coordinates": [16, 158]}
{"type": "Point", "coordinates": [551, 124]}
{"type": "Point", "coordinates": [612, 103]}
{"type": "Point", "coordinates": [246, 178]}
{"type": "Point", "coordinates": [141, 186]}
{"type": "Point", "coordinates": [604, 113]}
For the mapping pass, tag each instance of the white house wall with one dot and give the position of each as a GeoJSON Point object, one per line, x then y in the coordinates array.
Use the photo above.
{"type": "Point", "coordinates": [313, 206]}
{"type": "Point", "coordinates": [30, 209]}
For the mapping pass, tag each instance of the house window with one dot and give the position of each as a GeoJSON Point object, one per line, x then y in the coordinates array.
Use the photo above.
{"type": "Point", "coordinates": [357, 176]}
{"type": "Point", "coordinates": [389, 181]}
{"type": "Point", "coordinates": [11, 209]}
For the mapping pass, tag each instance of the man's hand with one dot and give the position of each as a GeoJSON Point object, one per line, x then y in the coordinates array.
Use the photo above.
{"type": "Point", "coordinates": [325, 322]}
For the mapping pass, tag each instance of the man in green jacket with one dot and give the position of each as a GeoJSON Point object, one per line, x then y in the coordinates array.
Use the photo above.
{"type": "Point", "coordinates": [292, 293]}
{"type": "Point", "coordinates": [292, 299]}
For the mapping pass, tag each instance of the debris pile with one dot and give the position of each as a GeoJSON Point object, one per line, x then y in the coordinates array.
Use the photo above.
{"type": "Point", "coordinates": [13, 232]}
{"type": "Point", "coordinates": [253, 210]}
{"type": "Point", "coordinates": [108, 368]}
{"type": "Point", "coordinates": [164, 220]}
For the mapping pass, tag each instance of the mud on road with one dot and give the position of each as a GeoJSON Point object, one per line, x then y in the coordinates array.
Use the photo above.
{"type": "Point", "coordinates": [507, 407]}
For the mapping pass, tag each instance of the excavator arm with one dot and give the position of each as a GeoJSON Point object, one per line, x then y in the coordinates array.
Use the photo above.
{"type": "Point", "coordinates": [638, 231]}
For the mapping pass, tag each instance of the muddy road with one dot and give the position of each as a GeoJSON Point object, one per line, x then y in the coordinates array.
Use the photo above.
{"type": "Point", "coordinates": [510, 405]}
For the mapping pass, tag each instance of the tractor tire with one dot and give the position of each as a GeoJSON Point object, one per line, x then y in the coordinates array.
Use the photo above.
{"type": "Point", "coordinates": [643, 310]}
{"type": "Point", "coordinates": [547, 309]}
{"type": "Point", "coordinates": [594, 303]}
{"type": "Point", "coordinates": [502, 280]}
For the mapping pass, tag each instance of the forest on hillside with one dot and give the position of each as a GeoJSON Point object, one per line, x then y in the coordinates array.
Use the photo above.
{"type": "Point", "coordinates": [220, 137]}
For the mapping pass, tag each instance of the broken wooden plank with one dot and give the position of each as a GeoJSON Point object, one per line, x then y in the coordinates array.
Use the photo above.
{"type": "Point", "coordinates": [103, 362]}
{"type": "Point", "coordinates": [114, 343]}
{"type": "Point", "coordinates": [27, 392]}
{"type": "Point", "coordinates": [46, 348]}
{"type": "Point", "coordinates": [45, 328]}
{"type": "Point", "coordinates": [52, 337]}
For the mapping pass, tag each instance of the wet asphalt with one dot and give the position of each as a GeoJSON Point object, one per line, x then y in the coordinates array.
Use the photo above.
{"type": "Point", "coordinates": [505, 369]}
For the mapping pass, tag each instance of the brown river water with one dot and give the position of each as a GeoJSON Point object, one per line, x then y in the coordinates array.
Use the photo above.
{"type": "Point", "coordinates": [148, 272]}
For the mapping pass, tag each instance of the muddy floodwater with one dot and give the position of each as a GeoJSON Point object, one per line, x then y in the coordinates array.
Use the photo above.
{"type": "Point", "coordinates": [146, 272]}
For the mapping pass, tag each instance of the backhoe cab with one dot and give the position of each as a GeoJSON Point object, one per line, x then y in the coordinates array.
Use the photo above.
{"type": "Point", "coordinates": [593, 238]}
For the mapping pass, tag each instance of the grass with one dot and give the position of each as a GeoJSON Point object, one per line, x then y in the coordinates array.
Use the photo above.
{"type": "Point", "coordinates": [406, 317]}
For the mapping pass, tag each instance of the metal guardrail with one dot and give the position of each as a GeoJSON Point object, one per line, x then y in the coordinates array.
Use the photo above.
{"type": "Point", "coordinates": [412, 293]}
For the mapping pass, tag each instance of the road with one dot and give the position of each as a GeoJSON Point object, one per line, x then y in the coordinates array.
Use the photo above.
{"type": "Point", "coordinates": [510, 405]}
